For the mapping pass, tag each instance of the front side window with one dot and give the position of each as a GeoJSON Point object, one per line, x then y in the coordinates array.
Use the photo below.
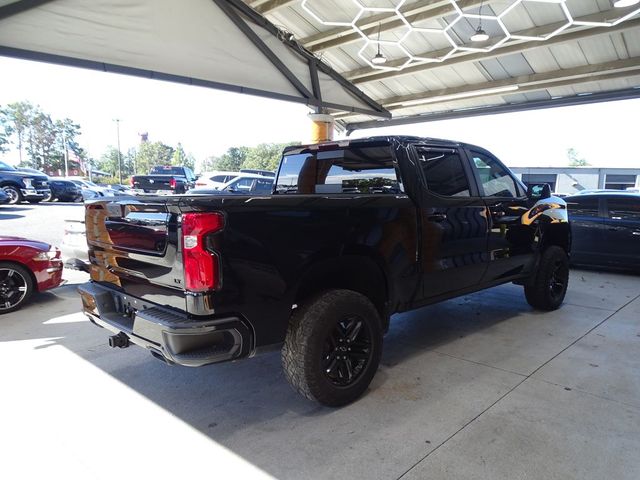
{"type": "Point", "coordinates": [495, 180]}
{"type": "Point", "coordinates": [624, 208]}
{"type": "Point", "coordinates": [241, 184]}
{"type": "Point", "coordinates": [354, 170]}
{"type": "Point", "coordinates": [443, 172]}
{"type": "Point", "coordinates": [583, 206]}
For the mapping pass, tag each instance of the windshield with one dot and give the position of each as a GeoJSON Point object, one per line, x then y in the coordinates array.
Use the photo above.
{"type": "Point", "coordinates": [6, 166]}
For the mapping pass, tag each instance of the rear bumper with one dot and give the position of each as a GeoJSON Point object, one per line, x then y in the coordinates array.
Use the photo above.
{"type": "Point", "coordinates": [170, 335]}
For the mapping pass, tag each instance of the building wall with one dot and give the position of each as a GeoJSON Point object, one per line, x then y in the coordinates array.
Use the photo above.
{"type": "Point", "coordinates": [574, 179]}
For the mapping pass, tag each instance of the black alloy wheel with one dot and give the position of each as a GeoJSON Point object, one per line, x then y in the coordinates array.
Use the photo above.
{"type": "Point", "coordinates": [347, 351]}
{"type": "Point", "coordinates": [558, 279]}
{"type": "Point", "coordinates": [16, 286]}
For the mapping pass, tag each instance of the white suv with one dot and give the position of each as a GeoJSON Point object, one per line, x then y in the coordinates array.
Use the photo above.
{"type": "Point", "coordinates": [215, 179]}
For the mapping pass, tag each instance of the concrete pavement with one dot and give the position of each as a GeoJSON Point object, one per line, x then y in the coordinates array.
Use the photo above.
{"type": "Point", "coordinates": [478, 387]}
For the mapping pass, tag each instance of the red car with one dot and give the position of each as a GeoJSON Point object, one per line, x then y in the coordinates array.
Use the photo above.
{"type": "Point", "coordinates": [26, 266]}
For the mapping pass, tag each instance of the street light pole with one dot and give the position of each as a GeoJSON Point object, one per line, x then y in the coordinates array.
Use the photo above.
{"type": "Point", "coordinates": [117, 120]}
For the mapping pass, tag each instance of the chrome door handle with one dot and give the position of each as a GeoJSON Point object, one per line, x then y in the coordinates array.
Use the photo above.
{"type": "Point", "coordinates": [635, 233]}
{"type": "Point", "coordinates": [438, 217]}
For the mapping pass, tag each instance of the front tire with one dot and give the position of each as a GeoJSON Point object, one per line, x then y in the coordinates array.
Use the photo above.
{"type": "Point", "coordinates": [14, 194]}
{"type": "Point", "coordinates": [333, 347]}
{"type": "Point", "coordinates": [549, 285]}
{"type": "Point", "coordinates": [16, 286]}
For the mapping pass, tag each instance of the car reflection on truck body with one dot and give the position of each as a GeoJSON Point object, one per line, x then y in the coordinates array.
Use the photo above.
{"type": "Point", "coordinates": [243, 184]}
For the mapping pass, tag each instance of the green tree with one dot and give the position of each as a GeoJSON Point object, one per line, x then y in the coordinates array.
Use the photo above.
{"type": "Point", "coordinates": [41, 142]}
{"type": "Point", "coordinates": [109, 161]}
{"type": "Point", "coordinates": [575, 160]}
{"type": "Point", "coordinates": [18, 118]}
{"type": "Point", "coordinates": [6, 129]}
{"type": "Point", "coordinates": [151, 154]}
{"type": "Point", "coordinates": [265, 156]}
{"type": "Point", "coordinates": [182, 159]}
{"type": "Point", "coordinates": [231, 160]}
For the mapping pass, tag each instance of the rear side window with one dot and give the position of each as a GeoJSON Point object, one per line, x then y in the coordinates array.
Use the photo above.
{"type": "Point", "coordinates": [624, 208]}
{"type": "Point", "coordinates": [495, 180]}
{"type": "Point", "coordinates": [220, 178]}
{"type": "Point", "coordinates": [443, 172]}
{"type": "Point", "coordinates": [263, 186]}
{"type": "Point", "coordinates": [583, 206]}
{"type": "Point", "coordinates": [354, 170]}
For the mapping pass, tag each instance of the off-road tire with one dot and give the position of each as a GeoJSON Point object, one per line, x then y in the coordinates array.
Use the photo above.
{"type": "Point", "coordinates": [548, 287]}
{"type": "Point", "coordinates": [310, 328]}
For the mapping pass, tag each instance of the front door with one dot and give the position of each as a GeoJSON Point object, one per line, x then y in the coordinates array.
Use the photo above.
{"type": "Point", "coordinates": [622, 230]}
{"type": "Point", "coordinates": [453, 223]}
{"type": "Point", "coordinates": [510, 241]}
{"type": "Point", "coordinates": [587, 228]}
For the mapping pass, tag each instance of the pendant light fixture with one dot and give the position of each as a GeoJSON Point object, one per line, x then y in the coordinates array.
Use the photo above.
{"type": "Point", "coordinates": [379, 58]}
{"type": "Point", "coordinates": [480, 35]}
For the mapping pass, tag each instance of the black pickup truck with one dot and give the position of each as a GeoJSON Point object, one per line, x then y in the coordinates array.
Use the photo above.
{"type": "Point", "coordinates": [165, 179]}
{"type": "Point", "coordinates": [353, 232]}
{"type": "Point", "coordinates": [21, 186]}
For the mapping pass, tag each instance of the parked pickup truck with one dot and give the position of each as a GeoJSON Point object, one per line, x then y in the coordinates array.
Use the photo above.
{"type": "Point", "coordinates": [165, 179]}
{"type": "Point", "coordinates": [353, 232]}
{"type": "Point", "coordinates": [21, 186]}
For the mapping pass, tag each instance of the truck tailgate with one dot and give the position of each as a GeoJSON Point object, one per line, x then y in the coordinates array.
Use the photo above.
{"type": "Point", "coordinates": [153, 182]}
{"type": "Point", "coordinates": [134, 246]}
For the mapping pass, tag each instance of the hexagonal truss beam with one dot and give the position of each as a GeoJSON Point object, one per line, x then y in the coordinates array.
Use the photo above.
{"type": "Point", "coordinates": [364, 74]}
{"type": "Point", "coordinates": [401, 15]}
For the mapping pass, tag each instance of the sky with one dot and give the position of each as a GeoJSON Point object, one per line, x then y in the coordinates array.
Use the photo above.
{"type": "Point", "coordinates": [207, 122]}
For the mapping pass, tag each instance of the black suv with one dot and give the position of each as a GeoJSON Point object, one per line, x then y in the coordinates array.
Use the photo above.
{"type": "Point", "coordinates": [353, 232]}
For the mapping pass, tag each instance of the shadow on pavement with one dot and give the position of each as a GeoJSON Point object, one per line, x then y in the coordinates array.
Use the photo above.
{"type": "Point", "coordinates": [5, 216]}
{"type": "Point", "coordinates": [248, 406]}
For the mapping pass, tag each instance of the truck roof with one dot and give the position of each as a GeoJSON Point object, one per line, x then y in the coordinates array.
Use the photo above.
{"type": "Point", "coordinates": [375, 140]}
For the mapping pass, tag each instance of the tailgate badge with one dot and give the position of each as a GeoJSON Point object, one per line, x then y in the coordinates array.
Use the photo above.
{"type": "Point", "coordinates": [151, 180]}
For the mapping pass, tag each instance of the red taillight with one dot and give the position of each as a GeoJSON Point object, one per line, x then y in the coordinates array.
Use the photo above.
{"type": "Point", "coordinates": [172, 183]}
{"type": "Point", "coordinates": [201, 267]}
{"type": "Point", "coordinates": [132, 181]}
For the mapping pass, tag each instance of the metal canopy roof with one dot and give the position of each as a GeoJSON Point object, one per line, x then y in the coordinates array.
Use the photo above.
{"type": "Point", "coordinates": [541, 53]}
{"type": "Point", "coordinates": [221, 44]}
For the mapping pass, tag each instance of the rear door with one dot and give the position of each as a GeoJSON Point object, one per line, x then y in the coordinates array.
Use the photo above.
{"type": "Point", "coordinates": [622, 229]}
{"type": "Point", "coordinates": [510, 242]}
{"type": "Point", "coordinates": [587, 228]}
{"type": "Point", "coordinates": [453, 220]}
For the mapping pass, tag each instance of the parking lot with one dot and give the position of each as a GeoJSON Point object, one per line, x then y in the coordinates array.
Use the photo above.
{"type": "Point", "coordinates": [476, 387]}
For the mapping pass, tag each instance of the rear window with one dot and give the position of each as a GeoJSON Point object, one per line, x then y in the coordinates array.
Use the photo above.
{"type": "Point", "coordinates": [353, 170]}
{"type": "Point", "coordinates": [167, 170]}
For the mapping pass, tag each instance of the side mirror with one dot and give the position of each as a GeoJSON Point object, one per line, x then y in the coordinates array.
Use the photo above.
{"type": "Point", "coordinates": [539, 191]}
